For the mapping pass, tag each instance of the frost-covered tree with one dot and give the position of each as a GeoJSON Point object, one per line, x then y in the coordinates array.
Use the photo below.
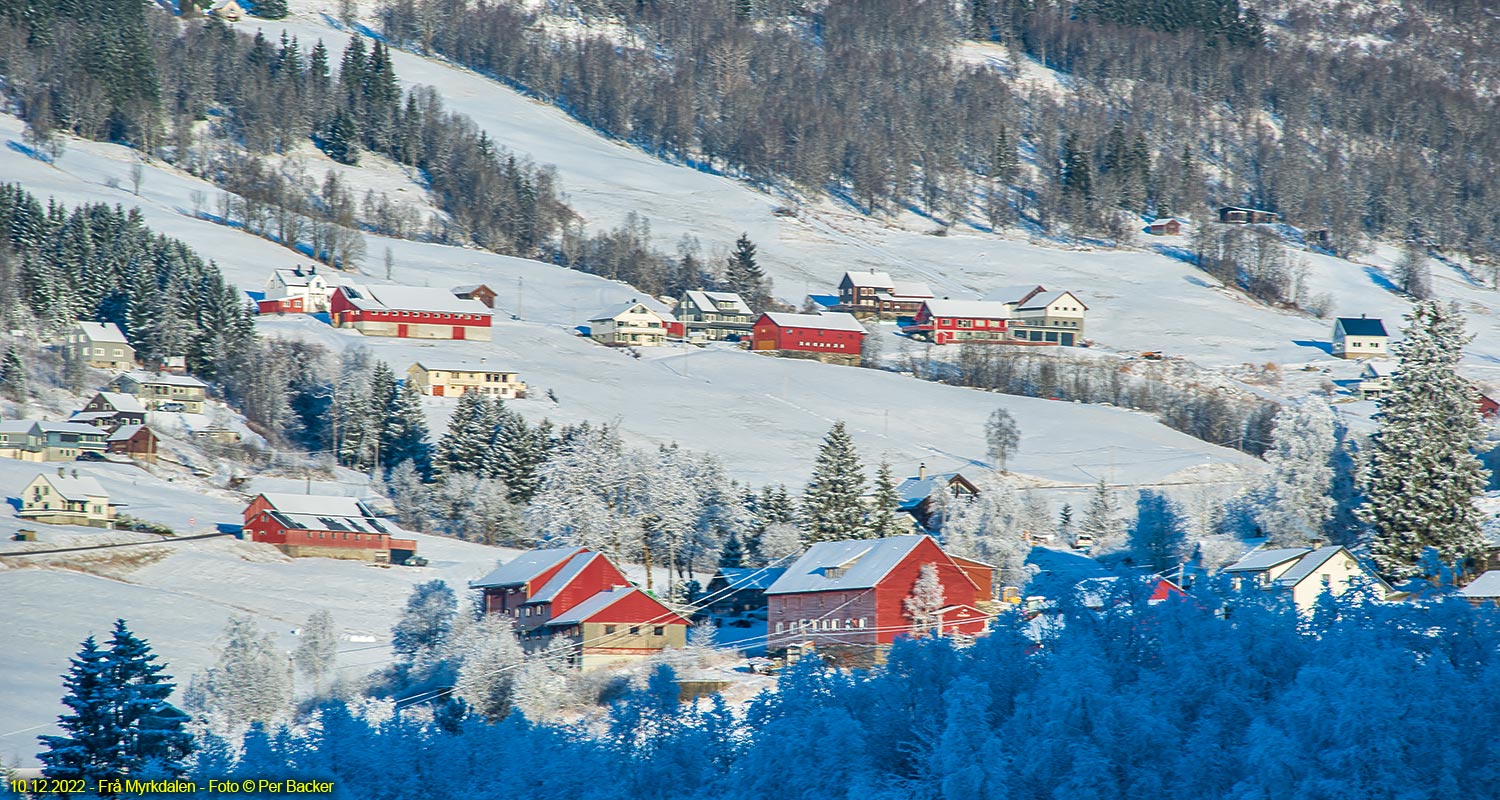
{"type": "Point", "coordinates": [884, 519]}
{"type": "Point", "coordinates": [462, 447]}
{"type": "Point", "coordinates": [317, 646]}
{"type": "Point", "coordinates": [781, 540]}
{"type": "Point", "coordinates": [250, 682]}
{"type": "Point", "coordinates": [13, 375]}
{"type": "Point", "coordinates": [405, 434]}
{"type": "Point", "coordinates": [589, 489]}
{"type": "Point", "coordinates": [832, 504]}
{"type": "Point", "coordinates": [989, 527]}
{"type": "Point", "coordinates": [925, 603]}
{"type": "Point", "coordinates": [1158, 536]}
{"type": "Point", "coordinates": [1413, 272]}
{"type": "Point", "coordinates": [490, 658]}
{"type": "Point", "coordinates": [1001, 437]}
{"type": "Point", "coordinates": [1101, 518]}
{"type": "Point", "coordinates": [1298, 504]}
{"type": "Point", "coordinates": [426, 622]}
{"type": "Point", "coordinates": [477, 509]}
{"type": "Point", "coordinates": [410, 496]}
{"type": "Point", "coordinates": [87, 750]}
{"type": "Point", "coordinates": [1422, 476]}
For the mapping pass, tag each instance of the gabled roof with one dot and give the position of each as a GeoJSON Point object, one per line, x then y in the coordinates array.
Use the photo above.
{"type": "Point", "coordinates": [871, 278]}
{"type": "Point", "coordinates": [525, 567]}
{"type": "Point", "coordinates": [411, 298]}
{"type": "Point", "coordinates": [1014, 294]}
{"type": "Point", "coordinates": [835, 321]}
{"type": "Point", "coordinates": [457, 366]}
{"type": "Point", "coordinates": [591, 607]}
{"type": "Point", "coordinates": [1361, 326]}
{"type": "Point", "coordinates": [739, 578]}
{"type": "Point", "coordinates": [907, 290]}
{"type": "Point", "coordinates": [857, 564]}
{"type": "Point", "coordinates": [1378, 368]}
{"type": "Point", "coordinates": [1486, 585]}
{"type": "Point", "coordinates": [317, 504]}
{"type": "Point", "coordinates": [73, 489]}
{"type": "Point", "coordinates": [120, 401]}
{"type": "Point", "coordinates": [621, 308]}
{"type": "Point", "coordinates": [164, 379]}
{"type": "Point", "coordinates": [297, 276]}
{"type": "Point", "coordinates": [338, 524]}
{"type": "Point", "coordinates": [912, 491]}
{"type": "Point", "coordinates": [1163, 222]}
{"type": "Point", "coordinates": [1261, 560]}
{"type": "Point", "coordinates": [79, 428]}
{"type": "Point", "coordinates": [972, 309]}
{"type": "Point", "coordinates": [1042, 300]}
{"type": "Point", "coordinates": [470, 289]}
{"type": "Point", "coordinates": [125, 433]}
{"type": "Point", "coordinates": [1308, 564]}
{"type": "Point", "coordinates": [103, 332]}
{"type": "Point", "coordinates": [711, 301]}
{"type": "Point", "coordinates": [570, 571]}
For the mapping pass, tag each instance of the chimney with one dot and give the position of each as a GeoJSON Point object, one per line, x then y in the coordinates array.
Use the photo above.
{"type": "Point", "coordinates": [1315, 542]}
{"type": "Point", "coordinates": [484, 359]}
{"type": "Point", "coordinates": [75, 473]}
{"type": "Point", "coordinates": [922, 471]}
{"type": "Point", "coordinates": [62, 472]}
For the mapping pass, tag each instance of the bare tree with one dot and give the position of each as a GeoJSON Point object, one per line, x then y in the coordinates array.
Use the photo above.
{"type": "Point", "coordinates": [1001, 436]}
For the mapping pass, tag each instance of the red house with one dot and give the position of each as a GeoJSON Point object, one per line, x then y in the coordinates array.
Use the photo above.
{"type": "Point", "coordinates": [283, 305]}
{"type": "Point", "coordinates": [416, 312]}
{"type": "Point", "coordinates": [849, 598]}
{"type": "Point", "coordinates": [1488, 408]}
{"type": "Point", "coordinates": [959, 321]}
{"type": "Point", "coordinates": [827, 334]}
{"type": "Point", "coordinates": [330, 527]}
{"type": "Point", "coordinates": [577, 597]}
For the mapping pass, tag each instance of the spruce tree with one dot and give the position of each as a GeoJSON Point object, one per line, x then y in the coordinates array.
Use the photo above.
{"type": "Point", "coordinates": [341, 140]}
{"type": "Point", "coordinates": [745, 276]}
{"type": "Point", "coordinates": [831, 504]}
{"type": "Point", "coordinates": [153, 735]}
{"type": "Point", "coordinates": [13, 375]}
{"type": "Point", "coordinates": [733, 554]}
{"type": "Point", "coordinates": [1159, 533]}
{"type": "Point", "coordinates": [1423, 476]}
{"type": "Point", "coordinates": [884, 518]}
{"type": "Point", "coordinates": [270, 9]}
{"type": "Point", "coordinates": [1101, 520]}
{"type": "Point", "coordinates": [462, 447]}
{"type": "Point", "coordinates": [405, 436]}
{"type": "Point", "coordinates": [90, 747]}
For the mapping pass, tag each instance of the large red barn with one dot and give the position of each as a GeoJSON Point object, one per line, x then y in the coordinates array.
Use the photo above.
{"type": "Point", "coordinates": [960, 321]}
{"type": "Point", "coordinates": [851, 596]}
{"type": "Point", "coordinates": [415, 312]}
{"type": "Point", "coordinates": [330, 527]}
{"type": "Point", "coordinates": [834, 333]}
{"type": "Point", "coordinates": [577, 597]}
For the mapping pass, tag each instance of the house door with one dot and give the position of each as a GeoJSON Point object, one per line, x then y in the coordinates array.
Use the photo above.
{"type": "Point", "coordinates": [437, 390]}
{"type": "Point", "coordinates": [401, 331]}
{"type": "Point", "coordinates": [458, 331]}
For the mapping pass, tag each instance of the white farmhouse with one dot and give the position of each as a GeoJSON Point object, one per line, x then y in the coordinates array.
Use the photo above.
{"type": "Point", "coordinates": [1360, 337]}
{"type": "Point", "coordinates": [1305, 574]}
{"type": "Point", "coordinates": [64, 499]}
{"type": "Point", "coordinates": [630, 324]}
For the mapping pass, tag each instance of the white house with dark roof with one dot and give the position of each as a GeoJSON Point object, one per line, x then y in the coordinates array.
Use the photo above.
{"type": "Point", "coordinates": [99, 344]}
{"type": "Point", "coordinates": [1305, 573]}
{"type": "Point", "coordinates": [67, 499]}
{"type": "Point", "coordinates": [632, 324]}
{"type": "Point", "coordinates": [1360, 337]}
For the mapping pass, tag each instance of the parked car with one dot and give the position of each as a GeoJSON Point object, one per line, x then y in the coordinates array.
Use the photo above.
{"type": "Point", "coordinates": [171, 407]}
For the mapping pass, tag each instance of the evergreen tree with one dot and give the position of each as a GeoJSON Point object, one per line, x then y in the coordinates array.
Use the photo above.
{"type": "Point", "coordinates": [341, 139]}
{"type": "Point", "coordinates": [831, 504]}
{"type": "Point", "coordinates": [90, 748]}
{"type": "Point", "coordinates": [426, 623]}
{"type": "Point", "coordinates": [270, 9]}
{"type": "Point", "coordinates": [13, 375]}
{"type": "Point", "coordinates": [1298, 504]}
{"type": "Point", "coordinates": [1101, 520]}
{"type": "Point", "coordinates": [1423, 476]}
{"type": "Point", "coordinates": [463, 446]}
{"type": "Point", "coordinates": [745, 276]}
{"type": "Point", "coordinates": [1158, 535]}
{"type": "Point", "coordinates": [1004, 160]}
{"type": "Point", "coordinates": [884, 518]}
{"type": "Point", "coordinates": [405, 436]}
{"type": "Point", "coordinates": [733, 554]}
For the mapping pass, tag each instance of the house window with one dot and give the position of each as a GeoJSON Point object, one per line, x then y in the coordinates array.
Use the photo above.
{"type": "Point", "coordinates": [608, 629]}
{"type": "Point", "coordinates": [635, 630]}
{"type": "Point", "coordinates": [659, 630]}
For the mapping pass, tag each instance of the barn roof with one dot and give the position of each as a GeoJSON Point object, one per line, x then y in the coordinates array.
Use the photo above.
{"type": "Point", "coordinates": [850, 564]}
{"type": "Point", "coordinates": [320, 504]}
{"type": "Point", "coordinates": [979, 309]}
{"type": "Point", "coordinates": [591, 607]}
{"type": "Point", "coordinates": [1362, 326]}
{"type": "Point", "coordinates": [571, 570]}
{"type": "Point", "coordinates": [525, 567]}
{"type": "Point", "coordinates": [338, 524]}
{"type": "Point", "coordinates": [411, 298]}
{"type": "Point", "coordinates": [835, 321]}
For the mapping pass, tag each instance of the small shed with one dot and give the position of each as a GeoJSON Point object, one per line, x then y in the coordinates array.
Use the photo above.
{"type": "Point", "coordinates": [1165, 227]}
{"type": "Point", "coordinates": [481, 292]}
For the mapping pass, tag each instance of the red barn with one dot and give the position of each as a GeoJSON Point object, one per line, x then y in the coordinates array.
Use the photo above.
{"type": "Point", "coordinates": [850, 597]}
{"type": "Point", "coordinates": [284, 305]}
{"type": "Point", "coordinates": [1488, 408]}
{"type": "Point", "coordinates": [577, 597]}
{"type": "Point", "coordinates": [835, 333]}
{"type": "Point", "coordinates": [415, 312]}
{"type": "Point", "coordinates": [959, 321]}
{"type": "Point", "coordinates": [330, 527]}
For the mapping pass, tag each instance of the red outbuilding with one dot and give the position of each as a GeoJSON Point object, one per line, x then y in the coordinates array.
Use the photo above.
{"type": "Point", "coordinates": [834, 333]}
{"type": "Point", "coordinates": [415, 312]}
{"type": "Point", "coordinates": [960, 321]}
{"type": "Point", "coordinates": [284, 305]}
{"type": "Point", "coordinates": [303, 525]}
{"type": "Point", "coordinates": [851, 596]}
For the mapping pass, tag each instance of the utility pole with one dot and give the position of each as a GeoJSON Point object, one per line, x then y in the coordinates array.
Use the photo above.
{"type": "Point", "coordinates": [520, 287]}
{"type": "Point", "coordinates": [646, 545]}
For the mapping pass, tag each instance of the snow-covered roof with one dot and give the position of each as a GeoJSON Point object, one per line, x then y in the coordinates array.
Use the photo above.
{"type": "Point", "coordinates": [74, 488]}
{"type": "Point", "coordinates": [469, 289]}
{"type": "Point", "coordinates": [564, 576]}
{"type": "Point", "coordinates": [907, 290]}
{"type": "Point", "coordinates": [525, 567]}
{"type": "Point", "coordinates": [124, 433]}
{"type": "Point", "coordinates": [299, 277]}
{"type": "Point", "coordinates": [1378, 368]}
{"type": "Point", "coordinates": [1361, 326]}
{"type": "Point", "coordinates": [1163, 222]}
{"type": "Point", "coordinates": [580, 613]}
{"type": "Point", "coordinates": [1308, 564]}
{"type": "Point", "coordinates": [66, 427]}
{"type": "Point", "coordinates": [834, 321]}
{"type": "Point", "coordinates": [411, 298]}
{"type": "Point", "coordinates": [717, 301]}
{"type": "Point", "coordinates": [914, 490]}
{"type": "Point", "coordinates": [736, 578]}
{"type": "Point", "coordinates": [1014, 294]}
{"type": "Point", "coordinates": [120, 401]}
{"type": "Point", "coordinates": [878, 280]}
{"type": "Point", "coordinates": [1044, 299]}
{"type": "Point", "coordinates": [337, 523]}
{"type": "Point", "coordinates": [164, 379]}
{"type": "Point", "coordinates": [1486, 585]}
{"type": "Point", "coordinates": [88, 417]}
{"type": "Point", "coordinates": [1258, 560]}
{"type": "Point", "coordinates": [621, 308]}
{"type": "Point", "coordinates": [103, 332]}
{"type": "Point", "coordinates": [321, 505]}
{"type": "Point", "coordinates": [974, 309]}
{"type": "Point", "coordinates": [457, 366]}
{"type": "Point", "coordinates": [851, 564]}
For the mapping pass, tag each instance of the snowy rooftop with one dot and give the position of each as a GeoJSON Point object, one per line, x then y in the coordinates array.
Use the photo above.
{"type": "Point", "coordinates": [74, 488]}
{"type": "Point", "coordinates": [103, 332]}
{"type": "Point", "coordinates": [719, 300]}
{"type": "Point", "coordinates": [1486, 585]}
{"type": "Point", "coordinates": [908, 289]}
{"type": "Point", "coordinates": [749, 577]}
{"type": "Point", "coordinates": [525, 567]}
{"type": "Point", "coordinates": [1378, 368]}
{"type": "Point", "coordinates": [412, 298]}
{"type": "Point", "coordinates": [851, 564]}
{"type": "Point", "coordinates": [622, 308]}
{"type": "Point", "coordinates": [564, 576]}
{"type": "Point", "coordinates": [163, 379]}
{"type": "Point", "coordinates": [1257, 560]}
{"type": "Point", "coordinates": [982, 309]}
{"type": "Point", "coordinates": [120, 401]}
{"type": "Point", "coordinates": [913, 491]}
{"type": "Point", "coordinates": [457, 366]}
{"type": "Point", "coordinates": [317, 504]}
{"type": "Point", "coordinates": [1014, 294]}
{"type": "Point", "coordinates": [588, 608]}
{"type": "Point", "coordinates": [878, 280]}
{"type": "Point", "coordinates": [1307, 565]}
{"type": "Point", "coordinates": [123, 433]}
{"type": "Point", "coordinates": [337, 523]}
{"type": "Point", "coordinates": [1045, 299]}
{"type": "Point", "coordinates": [836, 321]}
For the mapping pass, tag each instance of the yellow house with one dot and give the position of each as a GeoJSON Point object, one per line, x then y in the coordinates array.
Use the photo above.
{"type": "Point", "coordinates": [1305, 574]}
{"type": "Point", "coordinates": [227, 10]}
{"type": "Point", "coordinates": [64, 499]}
{"type": "Point", "coordinates": [453, 378]}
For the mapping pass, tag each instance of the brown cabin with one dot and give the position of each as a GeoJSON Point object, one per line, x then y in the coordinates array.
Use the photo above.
{"type": "Point", "coordinates": [1165, 227]}
{"type": "Point", "coordinates": [482, 293]}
